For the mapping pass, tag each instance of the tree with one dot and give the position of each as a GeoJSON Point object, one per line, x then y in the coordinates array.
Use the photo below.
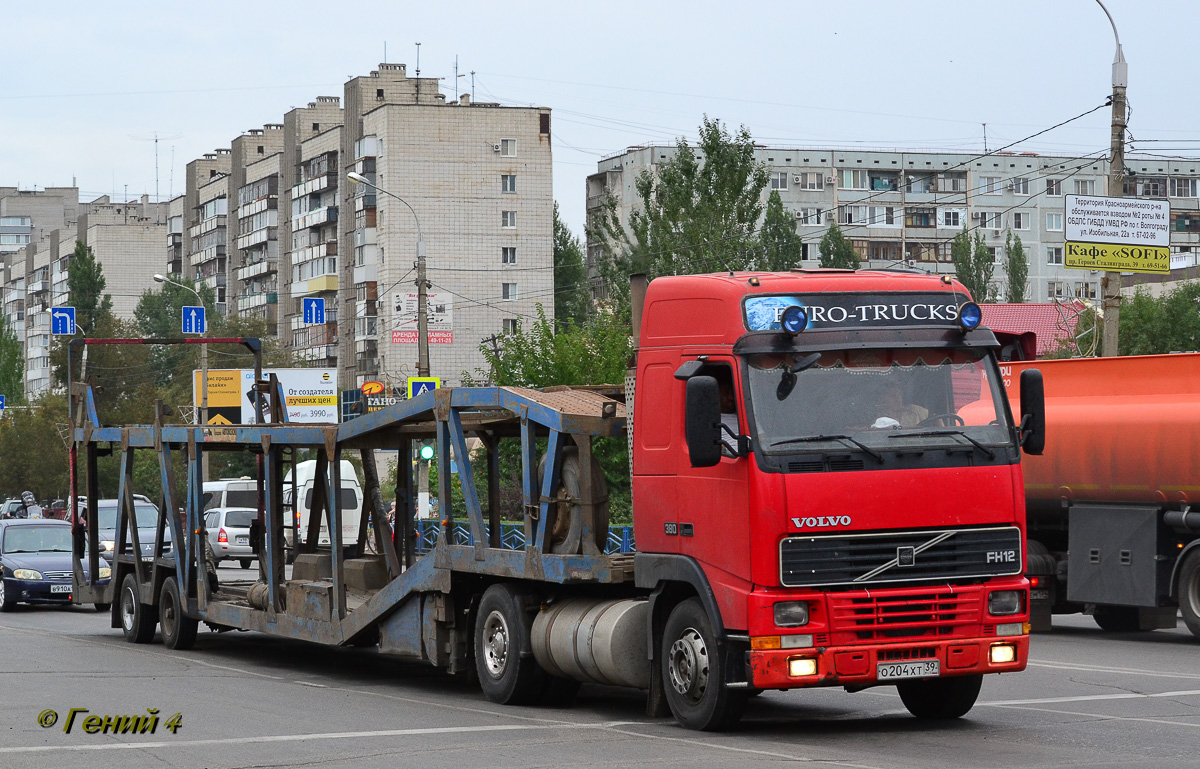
{"type": "Point", "coordinates": [12, 366]}
{"type": "Point", "coordinates": [571, 300]}
{"type": "Point", "coordinates": [697, 214]}
{"type": "Point", "coordinates": [973, 264]}
{"type": "Point", "coordinates": [836, 251]}
{"type": "Point", "coordinates": [1170, 323]}
{"type": "Point", "coordinates": [1016, 266]}
{"type": "Point", "coordinates": [86, 283]}
{"type": "Point", "coordinates": [781, 248]}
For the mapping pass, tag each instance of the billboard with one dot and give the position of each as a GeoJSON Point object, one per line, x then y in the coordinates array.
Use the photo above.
{"type": "Point", "coordinates": [439, 311]}
{"type": "Point", "coordinates": [311, 394]}
{"type": "Point", "coordinates": [1118, 234]}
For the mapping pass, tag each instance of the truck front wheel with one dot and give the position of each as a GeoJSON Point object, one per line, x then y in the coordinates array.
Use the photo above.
{"type": "Point", "coordinates": [508, 673]}
{"type": "Point", "coordinates": [1189, 591]}
{"type": "Point", "coordinates": [940, 699]}
{"type": "Point", "coordinates": [693, 672]}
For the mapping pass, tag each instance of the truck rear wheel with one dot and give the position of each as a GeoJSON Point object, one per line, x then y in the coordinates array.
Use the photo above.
{"type": "Point", "coordinates": [138, 620]}
{"type": "Point", "coordinates": [178, 629]}
{"type": "Point", "coordinates": [940, 699]}
{"type": "Point", "coordinates": [508, 673]}
{"type": "Point", "coordinates": [693, 672]}
{"type": "Point", "coordinates": [1189, 591]}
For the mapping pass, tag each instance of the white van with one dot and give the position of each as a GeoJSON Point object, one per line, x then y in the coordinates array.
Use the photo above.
{"type": "Point", "coordinates": [350, 502]}
{"type": "Point", "coordinates": [231, 492]}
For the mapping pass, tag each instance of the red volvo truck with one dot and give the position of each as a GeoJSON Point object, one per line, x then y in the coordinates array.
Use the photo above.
{"type": "Point", "coordinates": [827, 491]}
{"type": "Point", "coordinates": [1112, 531]}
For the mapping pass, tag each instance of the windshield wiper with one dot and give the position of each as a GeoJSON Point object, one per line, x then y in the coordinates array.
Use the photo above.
{"type": "Point", "coordinates": [991, 454]}
{"type": "Point", "coordinates": [846, 438]}
{"type": "Point", "coordinates": [20, 551]}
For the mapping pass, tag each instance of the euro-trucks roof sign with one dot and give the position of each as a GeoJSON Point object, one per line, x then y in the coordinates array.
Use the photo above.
{"type": "Point", "coordinates": [1119, 234]}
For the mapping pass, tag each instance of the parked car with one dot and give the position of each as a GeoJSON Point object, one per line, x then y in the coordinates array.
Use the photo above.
{"type": "Point", "coordinates": [35, 563]}
{"type": "Point", "coordinates": [229, 534]}
{"type": "Point", "coordinates": [12, 508]}
{"type": "Point", "coordinates": [147, 524]}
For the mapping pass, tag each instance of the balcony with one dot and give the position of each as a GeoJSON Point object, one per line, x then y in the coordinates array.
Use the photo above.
{"type": "Point", "coordinates": [367, 364]}
{"type": "Point", "coordinates": [315, 218]}
{"type": "Point", "coordinates": [315, 184]}
{"type": "Point", "coordinates": [174, 240]}
{"type": "Point", "coordinates": [328, 248]}
{"type": "Point", "coordinates": [307, 337]}
{"type": "Point", "coordinates": [208, 254]}
{"type": "Point", "coordinates": [38, 286]}
{"type": "Point", "coordinates": [366, 328]}
{"type": "Point", "coordinates": [206, 226]}
{"type": "Point", "coordinates": [251, 271]}
{"type": "Point", "coordinates": [258, 206]}
{"type": "Point", "coordinates": [262, 235]}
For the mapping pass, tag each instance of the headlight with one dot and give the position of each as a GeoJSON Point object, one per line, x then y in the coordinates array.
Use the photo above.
{"type": "Point", "coordinates": [791, 613]}
{"type": "Point", "coordinates": [106, 545]}
{"type": "Point", "coordinates": [105, 572]}
{"type": "Point", "coordinates": [27, 574]}
{"type": "Point", "coordinates": [1004, 602]}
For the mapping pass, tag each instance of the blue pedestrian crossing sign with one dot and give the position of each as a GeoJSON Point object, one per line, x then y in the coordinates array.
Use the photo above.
{"type": "Point", "coordinates": [194, 321]}
{"type": "Point", "coordinates": [314, 311]}
{"type": "Point", "coordinates": [420, 384]}
{"type": "Point", "coordinates": [62, 321]}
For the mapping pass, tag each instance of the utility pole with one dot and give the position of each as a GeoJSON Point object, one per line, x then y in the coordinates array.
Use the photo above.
{"type": "Point", "coordinates": [422, 313]}
{"type": "Point", "coordinates": [1116, 188]}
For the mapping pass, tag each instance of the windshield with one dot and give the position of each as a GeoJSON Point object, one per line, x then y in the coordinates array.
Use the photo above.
{"type": "Point", "coordinates": [884, 399]}
{"type": "Point", "coordinates": [37, 539]}
{"type": "Point", "coordinates": [147, 515]}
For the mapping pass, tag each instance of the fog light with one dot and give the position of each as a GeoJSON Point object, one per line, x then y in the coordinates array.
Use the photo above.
{"type": "Point", "coordinates": [796, 641]}
{"type": "Point", "coordinates": [802, 666]}
{"type": "Point", "coordinates": [1003, 602]}
{"type": "Point", "coordinates": [791, 613]}
{"type": "Point", "coordinates": [1011, 628]}
{"type": "Point", "coordinates": [1002, 653]}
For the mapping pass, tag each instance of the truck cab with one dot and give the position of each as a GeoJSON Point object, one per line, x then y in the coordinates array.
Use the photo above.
{"type": "Point", "coordinates": [842, 493]}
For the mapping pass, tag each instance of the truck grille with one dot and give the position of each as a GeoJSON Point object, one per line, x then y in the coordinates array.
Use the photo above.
{"type": "Point", "coordinates": [908, 556]}
{"type": "Point", "coordinates": [867, 616]}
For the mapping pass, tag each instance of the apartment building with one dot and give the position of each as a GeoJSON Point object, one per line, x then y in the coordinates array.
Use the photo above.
{"type": "Point", "coordinates": [27, 217]}
{"type": "Point", "coordinates": [906, 207]}
{"type": "Point", "coordinates": [206, 212]}
{"type": "Point", "coordinates": [254, 190]}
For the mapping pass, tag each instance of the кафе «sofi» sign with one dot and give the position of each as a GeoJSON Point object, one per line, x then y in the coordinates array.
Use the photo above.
{"type": "Point", "coordinates": [1118, 234]}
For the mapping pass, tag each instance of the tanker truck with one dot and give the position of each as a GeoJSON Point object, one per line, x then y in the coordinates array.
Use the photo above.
{"type": "Point", "coordinates": [1111, 527]}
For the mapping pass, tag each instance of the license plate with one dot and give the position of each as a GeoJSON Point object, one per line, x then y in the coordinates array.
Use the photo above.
{"type": "Point", "coordinates": [147, 558]}
{"type": "Point", "coordinates": [60, 588]}
{"type": "Point", "coordinates": [243, 540]}
{"type": "Point", "coordinates": [890, 671]}
{"type": "Point", "coordinates": [1039, 595]}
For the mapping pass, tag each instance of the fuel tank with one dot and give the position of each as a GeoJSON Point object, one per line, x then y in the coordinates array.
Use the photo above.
{"type": "Point", "coordinates": [1122, 429]}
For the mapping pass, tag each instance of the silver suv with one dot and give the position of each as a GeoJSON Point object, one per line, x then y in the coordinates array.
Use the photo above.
{"type": "Point", "coordinates": [229, 534]}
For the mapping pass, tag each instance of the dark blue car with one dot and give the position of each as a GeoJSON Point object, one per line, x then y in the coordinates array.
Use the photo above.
{"type": "Point", "coordinates": [35, 562]}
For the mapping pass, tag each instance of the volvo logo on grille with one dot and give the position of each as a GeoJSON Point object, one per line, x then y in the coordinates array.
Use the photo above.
{"type": "Point", "coordinates": [821, 522]}
{"type": "Point", "coordinates": [906, 556]}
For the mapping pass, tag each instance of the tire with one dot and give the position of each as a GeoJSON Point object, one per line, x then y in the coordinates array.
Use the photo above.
{"type": "Point", "coordinates": [940, 699]}
{"type": "Point", "coordinates": [138, 620]}
{"type": "Point", "coordinates": [103, 606]}
{"type": "Point", "coordinates": [1188, 591]}
{"type": "Point", "coordinates": [245, 562]}
{"type": "Point", "coordinates": [6, 602]}
{"type": "Point", "coordinates": [1116, 619]}
{"type": "Point", "coordinates": [508, 673]}
{"type": "Point", "coordinates": [693, 672]}
{"type": "Point", "coordinates": [565, 526]}
{"type": "Point", "coordinates": [178, 629]}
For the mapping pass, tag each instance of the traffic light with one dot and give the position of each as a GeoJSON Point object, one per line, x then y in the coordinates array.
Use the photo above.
{"type": "Point", "coordinates": [426, 451]}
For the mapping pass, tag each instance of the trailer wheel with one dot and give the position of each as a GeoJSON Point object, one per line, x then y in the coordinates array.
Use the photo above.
{"type": "Point", "coordinates": [1189, 591]}
{"type": "Point", "coordinates": [245, 562]}
{"type": "Point", "coordinates": [940, 699]}
{"type": "Point", "coordinates": [178, 629]}
{"type": "Point", "coordinates": [693, 673]}
{"type": "Point", "coordinates": [508, 673]}
{"type": "Point", "coordinates": [137, 619]}
{"type": "Point", "coordinates": [1116, 619]}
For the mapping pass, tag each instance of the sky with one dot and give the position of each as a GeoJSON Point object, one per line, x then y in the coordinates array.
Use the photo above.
{"type": "Point", "coordinates": [88, 86]}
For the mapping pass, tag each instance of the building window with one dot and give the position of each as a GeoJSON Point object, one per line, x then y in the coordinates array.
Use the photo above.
{"type": "Point", "coordinates": [1184, 188]}
{"type": "Point", "coordinates": [991, 220]}
{"type": "Point", "coordinates": [1054, 187]}
{"type": "Point", "coordinates": [1085, 290]}
{"type": "Point", "coordinates": [920, 217]}
{"type": "Point", "coordinates": [989, 185]}
{"type": "Point", "coordinates": [14, 240]}
{"type": "Point", "coordinates": [508, 148]}
{"type": "Point", "coordinates": [508, 255]}
{"type": "Point", "coordinates": [1054, 255]}
{"type": "Point", "coordinates": [885, 252]}
{"type": "Point", "coordinates": [854, 179]}
{"type": "Point", "coordinates": [378, 93]}
{"type": "Point", "coordinates": [951, 218]}
{"type": "Point", "coordinates": [1056, 289]}
{"type": "Point", "coordinates": [508, 219]}
{"type": "Point", "coordinates": [852, 214]}
{"type": "Point", "coordinates": [508, 182]}
{"type": "Point", "coordinates": [16, 221]}
{"type": "Point", "coordinates": [921, 183]}
{"type": "Point", "coordinates": [316, 126]}
{"type": "Point", "coordinates": [1085, 186]}
{"type": "Point", "coordinates": [810, 180]}
{"type": "Point", "coordinates": [952, 183]}
{"type": "Point", "coordinates": [1020, 185]}
{"type": "Point", "coordinates": [779, 180]}
{"type": "Point", "coordinates": [508, 291]}
{"type": "Point", "coordinates": [1020, 220]}
{"type": "Point", "coordinates": [1054, 222]}
{"type": "Point", "coordinates": [510, 325]}
{"type": "Point", "coordinates": [882, 215]}
{"type": "Point", "coordinates": [809, 216]}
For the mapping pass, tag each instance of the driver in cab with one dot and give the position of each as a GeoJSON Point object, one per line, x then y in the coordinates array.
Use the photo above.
{"type": "Point", "coordinates": [896, 412]}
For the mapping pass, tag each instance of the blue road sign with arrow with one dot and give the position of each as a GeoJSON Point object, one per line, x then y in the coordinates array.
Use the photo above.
{"type": "Point", "coordinates": [194, 321]}
{"type": "Point", "coordinates": [62, 321]}
{"type": "Point", "coordinates": [314, 310]}
{"type": "Point", "coordinates": [2, 405]}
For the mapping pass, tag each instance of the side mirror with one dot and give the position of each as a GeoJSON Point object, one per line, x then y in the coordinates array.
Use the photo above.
{"type": "Point", "coordinates": [702, 421]}
{"type": "Point", "coordinates": [1033, 412]}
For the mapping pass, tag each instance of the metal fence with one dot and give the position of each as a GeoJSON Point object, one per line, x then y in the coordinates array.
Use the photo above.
{"type": "Point", "coordinates": [512, 536]}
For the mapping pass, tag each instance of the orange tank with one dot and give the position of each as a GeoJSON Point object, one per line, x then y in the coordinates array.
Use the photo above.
{"type": "Point", "coordinates": [1123, 429]}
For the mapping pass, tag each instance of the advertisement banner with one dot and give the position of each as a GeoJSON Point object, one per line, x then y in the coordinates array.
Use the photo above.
{"type": "Point", "coordinates": [310, 394]}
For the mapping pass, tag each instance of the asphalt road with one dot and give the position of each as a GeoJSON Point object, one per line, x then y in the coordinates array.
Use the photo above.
{"type": "Point", "coordinates": [1089, 699]}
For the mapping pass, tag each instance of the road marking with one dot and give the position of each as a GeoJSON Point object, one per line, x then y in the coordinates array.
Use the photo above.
{"type": "Point", "coordinates": [1105, 669]}
{"type": "Point", "coordinates": [316, 686]}
{"type": "Point", "coordinates": [1102, 717]}
{"type": "Point", "coordinates": [1091, 698]}
{"type": "Point", "coordinates": [278, 738]}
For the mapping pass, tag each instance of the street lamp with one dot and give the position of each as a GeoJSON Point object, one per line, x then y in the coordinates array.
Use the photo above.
{"type": "Point", "coordinates": [1116, 184]}
{"type": "Point", "coordinates": [422, 319]}
{"type": "Point", "coordinates": [202, 416]}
